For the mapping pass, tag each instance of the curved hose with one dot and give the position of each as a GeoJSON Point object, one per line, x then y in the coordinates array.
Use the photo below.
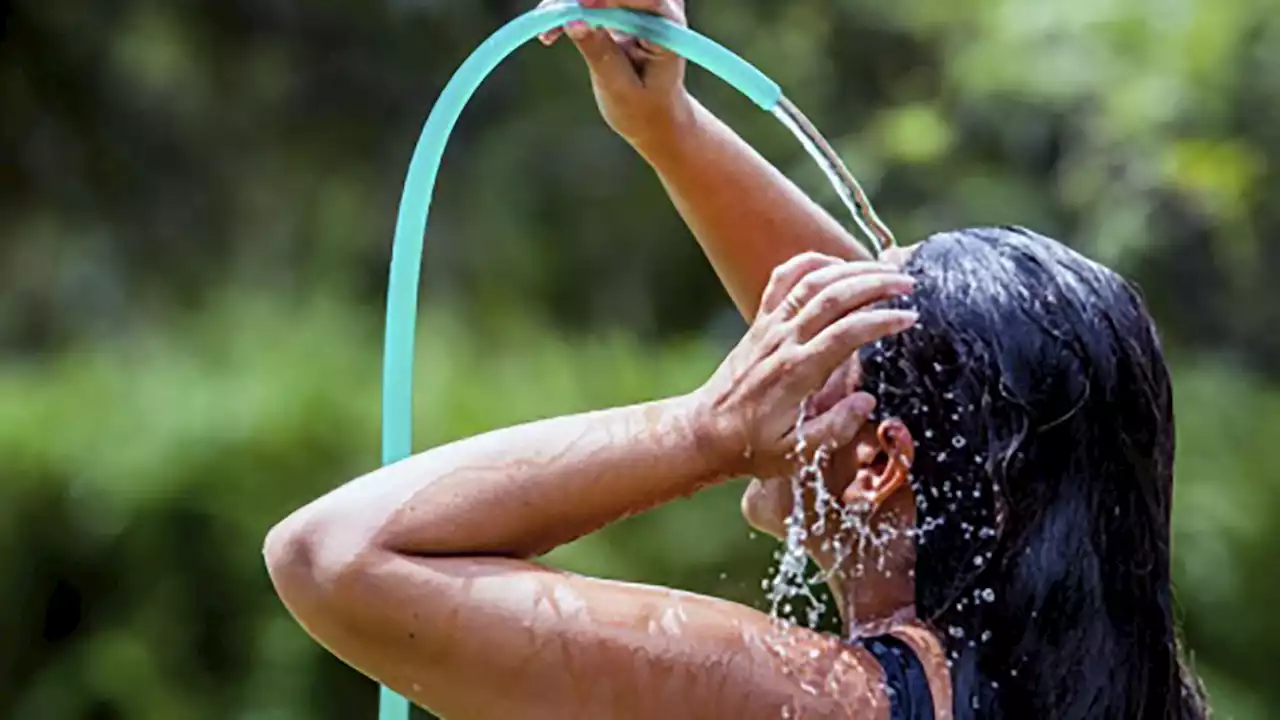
{"type": "Point", "coordinates": [411, 223]}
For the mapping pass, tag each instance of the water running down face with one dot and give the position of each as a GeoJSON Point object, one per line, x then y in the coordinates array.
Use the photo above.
{"type": "Point", "coordinates": [1014, 484]}
{"type": "Point", "coordinates": [857, 496]}
{"type": "Point", "coordinates": [869, 476]}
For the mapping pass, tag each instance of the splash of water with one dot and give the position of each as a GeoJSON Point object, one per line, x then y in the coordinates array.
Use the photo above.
{"type": "Point", "coordinates": [852, 545]}
{"type": "Point", "coordinates": [789, 582]}
{"type": "Point", "coordinates": [854, 537]}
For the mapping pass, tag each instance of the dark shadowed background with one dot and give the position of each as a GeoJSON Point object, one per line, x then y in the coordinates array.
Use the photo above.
{"type": "Point", "coordinates": [196, 209]}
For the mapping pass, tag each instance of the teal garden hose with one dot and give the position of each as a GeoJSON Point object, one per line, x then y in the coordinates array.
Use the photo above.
{"type": "Point", "coordinates": [411, 224]}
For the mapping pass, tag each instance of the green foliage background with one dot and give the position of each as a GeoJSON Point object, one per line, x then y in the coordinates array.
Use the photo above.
{"type": "Point", "coordinates": [197, 202]}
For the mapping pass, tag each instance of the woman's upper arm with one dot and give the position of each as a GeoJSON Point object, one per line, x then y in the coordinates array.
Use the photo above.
{"type": "Point", "coordinates": [498, 638]}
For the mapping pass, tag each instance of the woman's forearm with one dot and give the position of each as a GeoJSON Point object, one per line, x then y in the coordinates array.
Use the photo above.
{"type": "Point", "coordinates": [748, 217]}
{"type": "Point", "coordinates": [520, 491]}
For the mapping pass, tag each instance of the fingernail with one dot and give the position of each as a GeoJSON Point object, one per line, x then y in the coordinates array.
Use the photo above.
{"type": "Point", "coordinates": [907, 317]}
{"type": "Point", "coordinates": [577, 29]}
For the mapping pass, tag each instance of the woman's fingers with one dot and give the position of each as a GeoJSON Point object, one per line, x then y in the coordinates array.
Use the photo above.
{"type": "Point", "coordinates": [845, 295]}
{"type": "Point", "coordinates": [642, 50]}
{"type": "Point", "coordinates": [549, 37]}
{"type": "Point", "coordinates": [835, 343]}
{"type": "Point", "coordinates": [624, 67]}
{"type": "Point", "coordinates": [822, 319]}
{"type": "Point", "coordinates": [787, 275]}
{"type": "Point", "coordinates": [840, 384]}
{"type": "Point", "coordinates": [814, 283]}
{"type": "Point", "coordinates": [839, 425]}
{"type": "Point", "coordinates": [670, 9]}
{"type": "Point", "coordinates": [611, 69]}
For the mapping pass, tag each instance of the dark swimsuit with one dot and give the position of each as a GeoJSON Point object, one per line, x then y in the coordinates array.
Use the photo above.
{"type": "Point", "coordinates": [904, 678]}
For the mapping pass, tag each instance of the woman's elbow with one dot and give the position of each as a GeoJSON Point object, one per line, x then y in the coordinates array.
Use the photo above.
{"type": "Point", "coordinates": [310, 560]}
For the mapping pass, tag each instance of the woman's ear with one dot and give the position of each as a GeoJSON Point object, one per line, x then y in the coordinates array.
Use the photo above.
{"type": "Point", "coordinates": [875, 483]}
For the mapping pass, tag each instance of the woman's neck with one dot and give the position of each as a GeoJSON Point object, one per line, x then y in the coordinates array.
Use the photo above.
{"type": "Point", "coordinates": [873, 607]}
{"type": "Point", "coordinates": [871, 596]}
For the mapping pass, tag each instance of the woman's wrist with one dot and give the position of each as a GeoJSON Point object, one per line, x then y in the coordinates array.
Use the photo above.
{"type": "Point", "coordinates": [668, 137]}
{"type": "Point", "coordinates": [720, 451]}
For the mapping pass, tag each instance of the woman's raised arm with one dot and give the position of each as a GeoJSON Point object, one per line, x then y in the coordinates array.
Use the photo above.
{"type": "Point", "coordinates": [416, 574]}
{"type": "Point", "coordinates": [747, 216]}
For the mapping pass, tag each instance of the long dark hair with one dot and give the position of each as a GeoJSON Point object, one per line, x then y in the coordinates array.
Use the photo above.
{"type": "Point", "coordinates": [1038, 396]}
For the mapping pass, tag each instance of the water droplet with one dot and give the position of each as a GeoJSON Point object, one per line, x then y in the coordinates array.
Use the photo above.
{"type": "Point", "coordinates": [957, 442]}
{"type": "Point", "coordinates": [978, 561]}
{"type": "Point", "coordinates": [986, 635]}
{"type": "Point", "coordinates": [955, 631]}
{"type": "Point", "coordinates": [989, 595]}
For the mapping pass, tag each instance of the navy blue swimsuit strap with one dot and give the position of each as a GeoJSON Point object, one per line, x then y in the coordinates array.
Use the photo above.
{"type": "Point", "coordinates": [905, 681]}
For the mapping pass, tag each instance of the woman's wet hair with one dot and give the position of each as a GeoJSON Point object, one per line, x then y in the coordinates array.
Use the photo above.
{"type": "Point", "coordinates": [1038, 397]}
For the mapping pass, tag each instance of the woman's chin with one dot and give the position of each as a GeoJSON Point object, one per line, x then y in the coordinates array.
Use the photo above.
{"type": "Point", "coordinates": [762, 506]}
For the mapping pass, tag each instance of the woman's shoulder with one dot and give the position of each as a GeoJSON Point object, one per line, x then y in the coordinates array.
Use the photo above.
{"type": "Point", "coordinates": [820, 675]}
{"type": "Point", "coordinates": [833, 677]}
{"type": "Point", "coordinates": [927, 647]}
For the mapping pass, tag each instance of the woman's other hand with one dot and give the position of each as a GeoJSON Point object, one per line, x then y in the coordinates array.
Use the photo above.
{"type": "Point", "coordinates": [639, 86]}
{"type": "Point", "coordinates": [813, 318]}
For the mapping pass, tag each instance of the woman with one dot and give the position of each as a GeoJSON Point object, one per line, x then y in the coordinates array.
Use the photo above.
{"type": "Point", "coordinates": [990, 420]}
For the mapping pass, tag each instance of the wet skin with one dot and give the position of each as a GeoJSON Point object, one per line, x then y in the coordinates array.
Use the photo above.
{"type": "Point", "coordinates": [418, 574]}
